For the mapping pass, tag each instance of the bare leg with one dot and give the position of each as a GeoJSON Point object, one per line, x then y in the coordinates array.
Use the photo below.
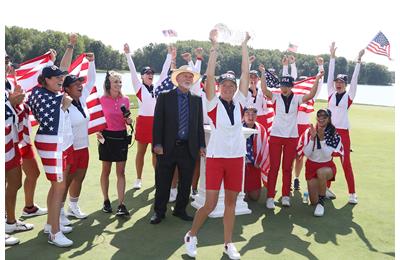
{"type": "Point", "coordinates": [120, 169]}
{"type": "Point", "coordinates": [229, 214]}
{"type": "Point", "coordinates": [313, 190]}
{"type": "Point", "coordinates": [104, 179]}
{"type": "Point", "coordinates": [13, 184]}
{"type": "Point", "coordinates": [140, 153]}
{"type": "Point", "coordinates": [203, 212]}
{"type": "Point", "coordinates": [76, 184]}
{"type": "Point", "coordinates": [32, 172]}
{"type": "Point", "coordinates": [54, 200]}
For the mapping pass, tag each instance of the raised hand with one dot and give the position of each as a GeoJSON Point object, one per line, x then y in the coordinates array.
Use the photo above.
{"type": "Point", "coordinates": [53, 55]}
{"type": "Point", "coordinates": [252, 58]}
{"type": "Point", "coordinates": [199, 53]}
{"type": "Point", "coordinates": [66, 101]}
{"type": "Point", "coordinates": [90, 56]}
{"type": "Point", "coordinates": [73, 38]}
{"type": "Point", "coordinates": [285, 60]}
{"type": "Point", "coordinates": [247, 38]}
{"type": "Point", "coordinates": [126, 48]}
{"type": "Point", "coordinates": [320, 61]}
{"type": "Point", "coordinates": [313, 132]}
{"type": "Point", "coordinates": [292, 59]}
{"type": "Point", "coordinates": [17, 96]}
{"type": "Point", "coordinates": [360, 54]}
{"type": "Point", "coordinates": [213, 36]}
{"type": "Point", "coordinates": [332, 49]}
{"type": "Point", "coordinates": [186, 56]}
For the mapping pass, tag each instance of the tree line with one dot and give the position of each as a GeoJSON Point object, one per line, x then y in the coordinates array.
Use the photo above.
{"type": "Point", "coordinates": [23, 44]}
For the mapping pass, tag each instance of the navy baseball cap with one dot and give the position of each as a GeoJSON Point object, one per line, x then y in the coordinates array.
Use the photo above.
{"type": "Point", "coordinates": [254, 72]}
{"type": "Point", "coordinates": [71, 79]}
{"type": "Point", "coordinates": [250, 108]}
{"type": "Point", "coordinates": [341, 77]}
{"type": "Point", "coordinates": [52, 71]}
{"type": "Point", "coordinates": [286, 81]}
{"type": "Point", "coordinates": [147, 70]}
{"type": "Point", "coordinates": [227, 76]}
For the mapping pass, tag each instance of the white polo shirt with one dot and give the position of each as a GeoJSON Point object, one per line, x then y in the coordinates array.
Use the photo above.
{"type": "Point", "coordinates": [226, 140]}
{"type": "Point", "coordinates": [318, 155]}
{"type": "Point", "coordinates": [258, 101]}
{"type": "Point", "coordinates": [285, 124]}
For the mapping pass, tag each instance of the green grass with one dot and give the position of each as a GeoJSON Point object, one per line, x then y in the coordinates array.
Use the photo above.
{"type": "Point", "coordinates": [364, 231]}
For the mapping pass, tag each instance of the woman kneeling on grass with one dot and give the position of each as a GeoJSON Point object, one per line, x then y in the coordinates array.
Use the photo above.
{"type": "Point", "coordinates": [320, 143]}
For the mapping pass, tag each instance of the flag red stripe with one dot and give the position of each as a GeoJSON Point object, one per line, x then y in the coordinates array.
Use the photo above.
{"type": "Point", "coordinates": [46, 146]}
{"type": "Point", "coordinates": [97, 128]}
{"type": "Point", "coordinates": [96, 115]}
{"type": "Point", "coordinates": [45, 57]}
{"type": "Point", "coordinates": [93, 103]}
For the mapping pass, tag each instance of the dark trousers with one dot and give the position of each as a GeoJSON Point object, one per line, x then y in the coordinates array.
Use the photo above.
{"type": "Point", "coordinates": [165, 167]}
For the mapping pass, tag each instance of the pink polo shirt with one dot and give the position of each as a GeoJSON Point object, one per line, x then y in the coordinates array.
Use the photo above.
{"type": "Point", "coordinates": [112, 112]}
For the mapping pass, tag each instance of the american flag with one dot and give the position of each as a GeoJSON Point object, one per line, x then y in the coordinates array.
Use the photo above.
{"type": "Point", "coordinates": [97, 121]}
{"type": "Point", "coordinates": [261, 152]}
{"type": "Point", "coordinates": [331, 140]}
{"type": "Point", "coordinates": [170, 33]}
{"type": "Point", "coordinates": [272, 80]}
{"type": "Point", "coordinates": [27, 74]}
{"type": "Point", "coordinates": [302, 87]}
{"type": "Point", "coordinates": [46, 107]}
{"type": "Point", "coordinates": [292, 48]}
{"type": "Point", "coordinates": [10, 120]}
{"type": "Point", "coordinates": [380, 45]}
{"type": "Point", "coordinates": [166, 85]}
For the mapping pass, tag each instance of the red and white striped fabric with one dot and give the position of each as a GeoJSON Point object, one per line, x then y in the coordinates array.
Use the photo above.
{"type": "Point", "coordinates": [302, 87]}
{"type": "Point", "coordinates": [305, 139]}
{"type": "Point", "coordinates": [10, 134]}
{"type": "Point", "coordinates": [269, 106]}
{"type": "Point", "coordinates": [97, 120]}
{"type": "Point", "coordinates": [24, 126]}
{"type": "Point", "coordinates": [29, 71]}
{"type": "Point", "coordinates": [261, 152]}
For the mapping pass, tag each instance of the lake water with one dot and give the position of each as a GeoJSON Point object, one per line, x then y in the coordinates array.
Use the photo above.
{"type": "Point", "coordinates": [366, 94]}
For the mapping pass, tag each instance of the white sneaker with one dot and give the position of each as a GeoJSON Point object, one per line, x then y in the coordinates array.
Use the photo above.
{"type": "Point", "coordinates": [39, 211]}
{"type": "Point", "coordinates": [319, 210]}
{"type": "Point", "coordinates": [172, 194]}
{"type": "Point", "coordinates": [75, 211]}
{"type": "Point", "coordinates": [270, 203]}
{"type": "Point", "coordinates": [59, 240]}
{"type": "Point", "coordinates": [10, 241]}
{"type": "Point", "coordinates": [329, 194]}
{"type": "Point", "coordinates": [191, 245]}
{"type": "Point", "coordinates": [64, 221]}
{"type": "Point", "coordinates": [353, 198]}
{"type": "Point", "coordinates": [64, 229]}
{"type": "Point", "coordinates": [286, 201]}
{"type": "Point", "coordinates": [138, 184]}
{"type": "Point", "coordinates": [18, 226]}
{"type": "Point", "coordinates": [231, 251]}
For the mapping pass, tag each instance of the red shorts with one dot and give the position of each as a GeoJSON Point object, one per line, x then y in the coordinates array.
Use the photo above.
{"type": "Point", "coordinates": [312, 167]}
{"type": "Point", "coordinates": [252, 178]}
{"type": "Point", "coordinates": [27, 152]}
{"type": "Point", "coordinates": [229, 170]}
{"type": "Point", "coordinates": [81, 159]}
{"type": "Point", "coordinates": [302, 128]}
{"type": "Point", "coordinates": [144, 129]}
{"type": "Point", "coordinates": [16, 161]}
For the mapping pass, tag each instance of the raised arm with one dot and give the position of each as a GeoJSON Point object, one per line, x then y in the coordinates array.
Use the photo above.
{"type": "Point", "coordinates": [320, 63]}
{"type": "Point", "coordinates": [264, 88]}
{"type": "Point", "coordinates": [285, 66]}
{"type": "Point", "coordinates": [91, 76]}
{"type": "Point", "coordinates": [245, 77]}
{"type": "Point", "coordinates": [67, 58]}
{"type": "Point", "coordinates": [293, 68]}
{"type": "Point", "coordinates": [212, 60]}
{"type": "Point", "coordinates": [314, 88]}
{"type": "Point", "coordinates": [196, 88]}
{"type": "Point", "coordinates": [165, 68]}
{"type": "Point", "coordinates": [354, 78]}
{"type": "Point", "coordinates": [331, 71]}
{"type": "Point", "coordinates": [135, 79]}
{"type": "Point", "coordinates": [252, 58]}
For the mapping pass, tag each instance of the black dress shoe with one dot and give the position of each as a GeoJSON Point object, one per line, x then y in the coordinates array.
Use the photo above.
{"type": "Point", "coordinates": [155, 219]}
{"type": "Point", "coordinates": [184, 216]}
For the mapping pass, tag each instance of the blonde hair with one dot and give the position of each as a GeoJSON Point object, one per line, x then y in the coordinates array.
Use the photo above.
{"type": "Point", "coordinates": [110, 76]}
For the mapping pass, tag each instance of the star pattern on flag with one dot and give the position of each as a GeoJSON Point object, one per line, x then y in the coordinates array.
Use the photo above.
{"type": "Point", "coordinates": [43, 105]}
{"type": "Point", "coordinates": [331, 139]}
{"type": "Point", "coordinates": [166, 85]}
{"type": "Point", "coordinates": [272, 80]}
{"type": "Point", "coordinates": [249, 148]}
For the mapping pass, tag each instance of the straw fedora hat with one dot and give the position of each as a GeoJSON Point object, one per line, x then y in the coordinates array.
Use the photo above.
{"type": "Point", "coordinates": [182, 69]}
